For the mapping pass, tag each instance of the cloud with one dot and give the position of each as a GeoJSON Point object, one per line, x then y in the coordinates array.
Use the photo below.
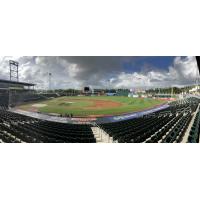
{"type": "Point", "coordinates": [100, 72]}
{"type": "Point", "coordinates": [182, 72]}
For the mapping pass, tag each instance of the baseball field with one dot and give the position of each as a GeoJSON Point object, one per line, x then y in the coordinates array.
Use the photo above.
{"type": "Point", "coordinates": [94, 106]}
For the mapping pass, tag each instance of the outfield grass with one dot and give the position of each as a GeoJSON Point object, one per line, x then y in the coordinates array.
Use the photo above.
{"type": "Point", "coordinates": [85, 106]}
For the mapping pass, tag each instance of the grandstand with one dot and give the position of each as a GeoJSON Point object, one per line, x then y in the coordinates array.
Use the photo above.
{"type": "Point", "coordinates": [13, 93]}
{"type": "Point", "coordinates": [180, 122]}
{"type": "Point", "coordinates": [16, 128]}
{"type": "Point", "coordinates": [167, 126]}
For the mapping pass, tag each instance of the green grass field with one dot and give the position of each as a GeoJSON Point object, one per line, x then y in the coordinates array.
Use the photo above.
{"type": "Point", "coordinates": [89, 106]}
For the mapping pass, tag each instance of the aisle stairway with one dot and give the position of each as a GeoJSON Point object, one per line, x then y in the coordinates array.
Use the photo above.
{"type": "Point", "coordinates": [101, 136]}
{"type": "Point", "coordinates": [185, 138]}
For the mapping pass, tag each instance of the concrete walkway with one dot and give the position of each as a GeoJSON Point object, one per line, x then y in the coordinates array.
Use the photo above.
{"type": "Point", "coordinates": [187, 132]}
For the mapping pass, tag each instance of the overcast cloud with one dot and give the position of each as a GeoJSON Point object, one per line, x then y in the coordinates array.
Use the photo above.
{"type": "Point", "coordinates": [100, 72]}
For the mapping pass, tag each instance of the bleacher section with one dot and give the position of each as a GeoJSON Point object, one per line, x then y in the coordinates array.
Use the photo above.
{"type": "Point", "coordinates": [18, 128]}
{"type": "Point", "coordinates": [23, 97]}
{"type": "Point", "coordinates": [195, 130]}
{"type": "Point", "coordinates": [166, 126]}
{"type": "Point", "coordinates": [20, 98]}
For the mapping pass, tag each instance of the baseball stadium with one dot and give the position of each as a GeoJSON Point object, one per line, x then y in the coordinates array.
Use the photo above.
{"type": "Point", "coordinates": [132, 114]}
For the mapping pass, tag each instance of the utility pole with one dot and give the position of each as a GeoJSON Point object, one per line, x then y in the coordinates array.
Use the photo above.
{"type": "Point", "coordinates": [172, 92]}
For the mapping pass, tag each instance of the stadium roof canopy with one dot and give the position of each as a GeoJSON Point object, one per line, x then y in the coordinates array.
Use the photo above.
{"type": "Point", "coordinates": [16, 82]}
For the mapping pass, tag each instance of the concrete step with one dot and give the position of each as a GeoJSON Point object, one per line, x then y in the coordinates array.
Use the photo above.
{"type": "Point", "coordinates": [187, 132]}
{"type": "Point", "coordinates": [101, 136]}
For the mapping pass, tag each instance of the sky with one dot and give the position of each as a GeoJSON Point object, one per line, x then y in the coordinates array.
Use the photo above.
{"type": "Point", "coordinates": [103, 71]}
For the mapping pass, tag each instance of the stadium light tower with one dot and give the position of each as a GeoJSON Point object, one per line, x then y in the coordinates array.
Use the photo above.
{"type": "Point", "coordinates": [109, 85]}
{"type": "Point", "coordinates": [50, 75]}
{"type": "Point", "coordinates": [14, 72]}
{"type": "Point", "coordinates": [14, 76]}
